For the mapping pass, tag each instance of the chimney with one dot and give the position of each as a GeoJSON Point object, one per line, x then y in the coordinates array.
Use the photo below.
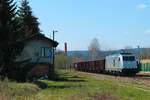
{"type": "Point", "coordinates": [66, 48]}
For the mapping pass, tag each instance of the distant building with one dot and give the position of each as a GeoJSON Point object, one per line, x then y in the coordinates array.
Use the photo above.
{"type": "Point", "coordinates": [38, 51]}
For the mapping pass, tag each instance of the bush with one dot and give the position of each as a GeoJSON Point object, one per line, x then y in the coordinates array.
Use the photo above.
{"type": "Point", "coordinates": [9, 90]}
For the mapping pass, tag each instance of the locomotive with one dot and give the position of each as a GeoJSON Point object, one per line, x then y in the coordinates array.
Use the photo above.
{"type": "Point", "coordinates": [122, 63]}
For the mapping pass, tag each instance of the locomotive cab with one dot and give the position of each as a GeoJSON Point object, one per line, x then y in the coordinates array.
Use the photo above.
{"type": "Point", "coordinates": [123, 63]}
{"type": "Point", "coordinates": [129, 64]}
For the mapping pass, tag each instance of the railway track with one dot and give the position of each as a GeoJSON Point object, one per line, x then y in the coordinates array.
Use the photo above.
{"type": "Point", "coordinates": [143, 75]}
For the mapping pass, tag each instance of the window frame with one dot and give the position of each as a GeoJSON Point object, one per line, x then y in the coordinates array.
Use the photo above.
{"type": "Point", "coordinates": [43, 51]}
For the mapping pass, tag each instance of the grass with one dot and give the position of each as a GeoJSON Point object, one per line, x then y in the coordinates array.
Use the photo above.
{"type": "Point", "coordinates": [15, 91]}
{"type": "Point", "coordinates": [72, 85]}
{"type": "Point", "coordinates": [81, 86]}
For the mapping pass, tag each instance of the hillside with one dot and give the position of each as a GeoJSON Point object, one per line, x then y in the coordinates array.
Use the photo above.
{"type": "Point", "coordinates": [102, 54]}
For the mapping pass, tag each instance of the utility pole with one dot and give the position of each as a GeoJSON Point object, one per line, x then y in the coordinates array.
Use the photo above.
{"type": "Point", "coordinates": [138, 47]}
{"type": "Point", "coordinates": [54, 31]}
{"type": "Point", "coordinates": [65, 44]}
{"type": "Point", "coordinates": [138, 51]}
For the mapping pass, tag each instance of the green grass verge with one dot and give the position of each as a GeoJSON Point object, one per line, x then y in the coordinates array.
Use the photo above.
{"type": "Point", "coordinates": [72, 85]}
{"type": "Point", "coordinates": [79, 86]}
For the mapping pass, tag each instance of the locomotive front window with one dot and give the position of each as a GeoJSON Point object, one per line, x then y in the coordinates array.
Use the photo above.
{"type": "Point", "coordinates": [119, 59]}
{"type": "Point", "coordinates": [128, 58]}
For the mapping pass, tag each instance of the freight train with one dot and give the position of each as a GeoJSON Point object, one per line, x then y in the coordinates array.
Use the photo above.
{"type": "Point", "coordinates": [122, 64]}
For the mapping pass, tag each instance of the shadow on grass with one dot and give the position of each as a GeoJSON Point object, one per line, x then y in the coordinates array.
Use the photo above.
{"type": "Point", "coordinates": [41, 84]}
{"type": "Point", "coordinates": [63, 77]}
{"type": "Point", "coordinates": [68, 79]}
{"type": "Point", "coordinates": [63, 86]}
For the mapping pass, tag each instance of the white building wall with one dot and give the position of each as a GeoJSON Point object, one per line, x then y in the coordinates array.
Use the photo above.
{"type": "Point", "coordinates": [32, 50]}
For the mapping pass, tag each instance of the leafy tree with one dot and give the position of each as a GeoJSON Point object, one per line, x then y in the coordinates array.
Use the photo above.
{"type": "Point", "coordinates": [62, 61]}
{"type": "Point", "coordinates": [9, 35]}
{"type": "Point", "coordinates": [94, 49]}
{"type": "Point", "coordinates": [28, 21]}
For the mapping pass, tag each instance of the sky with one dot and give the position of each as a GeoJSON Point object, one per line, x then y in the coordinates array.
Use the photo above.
{"type": "Point", "coordinates": [115, 23]}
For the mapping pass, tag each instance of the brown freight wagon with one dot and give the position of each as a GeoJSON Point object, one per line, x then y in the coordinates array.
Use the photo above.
{"type": "Point", "coordinates": [90, 66]}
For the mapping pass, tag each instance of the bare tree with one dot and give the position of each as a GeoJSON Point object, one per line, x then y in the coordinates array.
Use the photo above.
{"type": "Point", "coordinates": [145, 54]}
{"type": "Point", "coordinates": [127, 49]}
{"type": "Point", "coordinates": [94, 49]}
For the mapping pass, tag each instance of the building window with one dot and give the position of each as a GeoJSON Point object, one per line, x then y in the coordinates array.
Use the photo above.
{"type": "Point", "coordinates": [46, 52]}
{"type": "Point", "coordinates": [114, 63]}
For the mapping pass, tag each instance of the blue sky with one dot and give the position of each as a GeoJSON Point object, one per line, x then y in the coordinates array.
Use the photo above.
{"type": "Point", "coordinates": [115, 23]}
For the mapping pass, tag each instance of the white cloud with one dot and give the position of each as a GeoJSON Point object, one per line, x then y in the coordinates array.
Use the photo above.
{"type": "Point", "coordinates": [141, 7]}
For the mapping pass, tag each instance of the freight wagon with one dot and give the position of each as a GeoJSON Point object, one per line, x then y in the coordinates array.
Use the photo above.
{"type": "Point", "coordinates": [144, 65]}
{"type": "Point", "coordinates": [122, 63]}
{"type": "Point", "coordinates": [90, 66]}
